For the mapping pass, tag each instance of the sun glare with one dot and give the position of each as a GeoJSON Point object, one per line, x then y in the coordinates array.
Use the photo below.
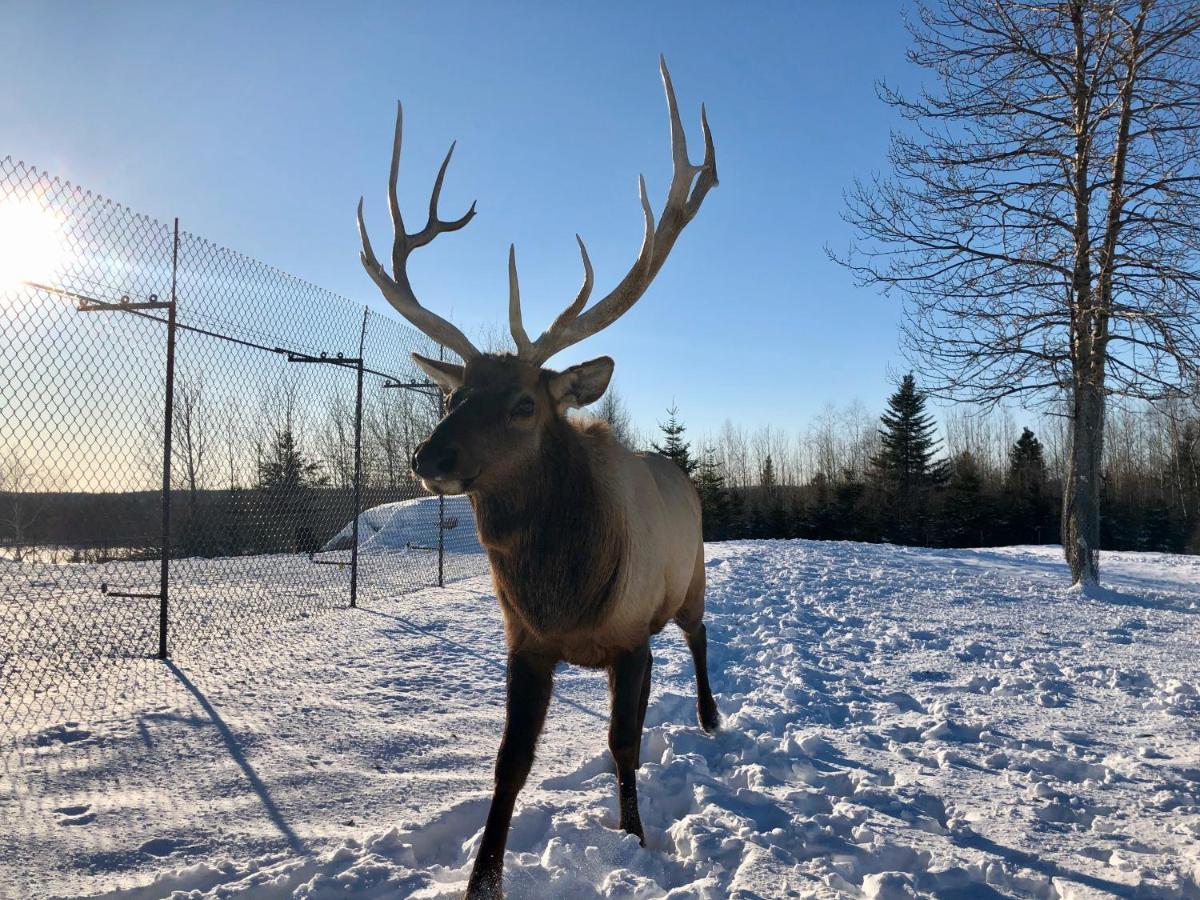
{"type": "Point", "coordinates": [30, 243]}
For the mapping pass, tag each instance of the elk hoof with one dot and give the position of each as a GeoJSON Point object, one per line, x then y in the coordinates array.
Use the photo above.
{"type": "Point", "coordinates": [710, 719]}
{"type": "Point", "coordinates": [485, 887]}
{"type": "Point", "coordinates": [635, 828]}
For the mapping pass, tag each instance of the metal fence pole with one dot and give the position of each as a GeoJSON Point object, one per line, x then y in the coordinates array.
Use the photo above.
{"type": "Point", "coordinates": [441, 497]}
{"type": "Point", "coordinates": [358, 416]}
{"type": "Point", "coordinates": [164, 577]}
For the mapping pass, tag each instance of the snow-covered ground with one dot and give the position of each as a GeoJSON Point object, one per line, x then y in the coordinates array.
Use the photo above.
{"type": "Point", "coordinates": [897, 721]}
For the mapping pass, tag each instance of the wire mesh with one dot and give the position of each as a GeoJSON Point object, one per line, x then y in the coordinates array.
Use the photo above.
{"type": "Point", "coordinates": [273, 457]}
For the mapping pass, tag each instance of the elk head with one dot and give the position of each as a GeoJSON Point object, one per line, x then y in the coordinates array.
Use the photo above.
{"type": "Point", "coordinates": [500, 407]}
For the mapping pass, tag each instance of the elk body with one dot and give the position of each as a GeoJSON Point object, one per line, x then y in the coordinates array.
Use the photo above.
{"type": "Point", "coordinates": [593, 548]}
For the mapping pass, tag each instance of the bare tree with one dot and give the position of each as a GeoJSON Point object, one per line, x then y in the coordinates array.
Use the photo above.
{"type": "Point", "coordinates": [233, 448]}
{"type": "Point", "coordinates": [1043, 214]}
{"type": "Point", "coordinates": [612, 409]}
{"type": "Point", "coordinates": [336, 440]}
{"type": "Point", "coordinates": [191, 434]}
{"type": "Point", "coordinates": [20, 507]}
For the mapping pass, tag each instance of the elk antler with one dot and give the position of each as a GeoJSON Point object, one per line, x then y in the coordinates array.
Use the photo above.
{"type": "Point", "coordinates": [683, 202]}
{"type": "Point", "coordinates": [397, 289]}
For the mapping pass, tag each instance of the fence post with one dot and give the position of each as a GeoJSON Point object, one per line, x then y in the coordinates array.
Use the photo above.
{"type": "Point", "coordinates": [441, 497]}
{"type": "Point", "coordinates": [164, 576]}
{"type": "Point", "coordinates": [358, 415]}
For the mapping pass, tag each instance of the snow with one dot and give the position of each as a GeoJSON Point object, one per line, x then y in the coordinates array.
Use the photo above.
{"type": "Point", "coordinates": [897, 722]}
{"type": "Point", "coordinates": [411, 523]}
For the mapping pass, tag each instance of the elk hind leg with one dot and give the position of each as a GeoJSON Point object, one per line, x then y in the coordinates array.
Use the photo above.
{"type": "Point", "coordinates": [690, 620]}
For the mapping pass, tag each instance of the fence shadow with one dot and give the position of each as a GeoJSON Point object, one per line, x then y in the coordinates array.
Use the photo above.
{"type": "Point", "coordinates": [235, 751]}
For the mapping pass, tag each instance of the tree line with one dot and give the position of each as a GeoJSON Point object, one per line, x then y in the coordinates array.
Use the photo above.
{"type": "Point", "coordinates": [974, 481]}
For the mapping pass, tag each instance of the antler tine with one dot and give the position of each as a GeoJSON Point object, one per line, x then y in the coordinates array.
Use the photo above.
{"type": "Point", "coordinates": [515, 325]}
{"type": "Point", "coordinates": [436, 226]}
{"type": "Point", "coordinates": [399, 244]}
{"type": "Point", "coordinates": [397, 289]}
{"type": "Point", "coordinates": [682, 170]}
{"type": "Point", "coordinates": [569, 314]}
{"type": "Point", "coordinates": [708, 169]}
{"type": "Point", "coordinates": [689, 185]}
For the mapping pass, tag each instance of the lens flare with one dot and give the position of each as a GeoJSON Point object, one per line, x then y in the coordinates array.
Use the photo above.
{"type": "Point", "coordinates": [30, 243]}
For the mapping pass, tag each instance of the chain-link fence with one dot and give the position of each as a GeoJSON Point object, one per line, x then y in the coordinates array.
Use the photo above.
{"type": "Point", "coordinates": [193, 445]}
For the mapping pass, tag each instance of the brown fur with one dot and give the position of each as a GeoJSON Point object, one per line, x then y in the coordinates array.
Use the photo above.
{"type": "Point", "coordinates": [593, 549]}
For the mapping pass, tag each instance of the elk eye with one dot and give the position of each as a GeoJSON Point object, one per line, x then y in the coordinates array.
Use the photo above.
{"type": "Point", "coordinates": [523, 408]}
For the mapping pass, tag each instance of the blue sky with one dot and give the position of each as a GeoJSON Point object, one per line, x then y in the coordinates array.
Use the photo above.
{"type": "Point", "coordinates": [260, 124]}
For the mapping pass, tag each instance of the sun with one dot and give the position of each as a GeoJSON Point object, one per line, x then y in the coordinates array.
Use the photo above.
{"type": "Point", "coordinates": [31, 243]}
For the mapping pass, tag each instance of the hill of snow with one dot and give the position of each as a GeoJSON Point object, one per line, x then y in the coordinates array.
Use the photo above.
{"type": "Point", "coordinates": [411, 523]}
{"type": "Point", "coordinates": [897, 722]}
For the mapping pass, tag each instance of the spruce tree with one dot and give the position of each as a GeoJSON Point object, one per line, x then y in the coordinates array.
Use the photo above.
{"type": "Point", "coordinates": [767, 476]}
{"type": "Point", "coordinates": [287, 476]}
{"type": "Point", "coordinates": [1026, 483]}
{"type": "Point", "coordinates": [1026, 463]}
{"type": "Point", "coordinates": [965, 512]}
{"type": "Point", "coordinates": [909, 439]}
{"type": "Point", "coordinates": [905, 469]}
{"type": "Point", "coordinates": [674, 447]}
{"type": "Point", "coordinates": [715, 503]}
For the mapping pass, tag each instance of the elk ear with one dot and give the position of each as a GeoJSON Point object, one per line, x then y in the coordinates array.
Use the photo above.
{"type": "Point", "coordinates": [581, 384]}
{"type": "Point", "coordinates": [447, 376]}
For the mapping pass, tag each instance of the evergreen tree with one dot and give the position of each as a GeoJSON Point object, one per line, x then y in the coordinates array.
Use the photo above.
{"type": "Point", "coordinates": [1029, 507]}
{"type": "Point", "coordinates": [674, 447]}
{"type": "Point", "coordinates": [908, 438]}
{"type": "Point", "coordinates": [1026, 464]}
{"type": "Point", "coordinates": [287, 476]}
{"type": "Point", "coordinates": [904, 468]}
{"type": "Point", "coordinates": [284, 470]}
{"type": "Point", "coordinates": [965, 513]}
{"type": "Point", "coordinates": [715, 502]}
{"type": "Point", "coordinates": [767, 476]}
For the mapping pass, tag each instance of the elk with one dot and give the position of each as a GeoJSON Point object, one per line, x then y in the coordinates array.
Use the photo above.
{"type": "Point", "coordinates": [593, 548]}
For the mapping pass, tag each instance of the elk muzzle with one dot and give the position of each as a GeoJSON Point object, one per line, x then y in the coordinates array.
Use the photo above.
{"type": "Point", "coordinates": [439, 465]}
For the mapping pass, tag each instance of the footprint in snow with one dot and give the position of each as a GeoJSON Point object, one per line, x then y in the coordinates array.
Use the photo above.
{"type": "Point", "coordinates": [164, 847]}
{"type": "Point", "coordinates": [75, 815]}
{"type": "Point", "coordinates": [929, 675]}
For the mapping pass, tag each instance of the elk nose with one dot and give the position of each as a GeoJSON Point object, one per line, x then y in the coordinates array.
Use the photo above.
{"type": "Point", "coordinates": [434, 462]}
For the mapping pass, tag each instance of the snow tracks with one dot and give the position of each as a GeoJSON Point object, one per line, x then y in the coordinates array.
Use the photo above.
{"type": "Point", "coordinates": [896, 723]}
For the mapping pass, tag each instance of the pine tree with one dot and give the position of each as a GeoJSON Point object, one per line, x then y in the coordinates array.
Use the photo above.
{"type": "Point", "coordinates": [908, 438]}
{"type": "Point", "coordinates": [767, 476]}
{"type": "Point", "coordinates": [1026, 488]}
{"type": "Point", "coordinates": [674, 447]}
{"type": "Point", "coordinates": [286, 475]}
{"type": "Point", "coordinates": [965, 510]}
{"type": "Point", "coordinates": [715, 503]}
{"type": "Point", "coordinates": [1026, 464]}
{"type": "Point", "coordinates": [905, 469]}
{"type": "Point", "coordinates": [285, 470]}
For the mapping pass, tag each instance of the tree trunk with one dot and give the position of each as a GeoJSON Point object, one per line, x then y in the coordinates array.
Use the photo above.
{"type": "Point", "coordinates": [1081, 491]}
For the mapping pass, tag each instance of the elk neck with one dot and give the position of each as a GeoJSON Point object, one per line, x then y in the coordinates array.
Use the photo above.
{"type": "Point", "coordinates": [555, 540]}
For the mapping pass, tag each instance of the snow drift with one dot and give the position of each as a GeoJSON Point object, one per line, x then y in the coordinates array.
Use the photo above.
{"type": "Point", "coordinates": [411, 524]}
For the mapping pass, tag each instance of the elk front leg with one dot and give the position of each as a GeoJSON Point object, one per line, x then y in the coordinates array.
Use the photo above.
{"type": "Point", "coordinates": [530, 679]}
{"type": "Point", "coordinates": [628, 682]}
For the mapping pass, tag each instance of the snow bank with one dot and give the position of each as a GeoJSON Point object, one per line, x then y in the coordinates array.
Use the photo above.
{"type": "Point", "coordinates": [410, 524]}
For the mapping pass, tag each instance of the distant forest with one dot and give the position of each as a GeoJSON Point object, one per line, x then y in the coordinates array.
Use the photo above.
{"type": "Point", "coordinates": [975, 481]}
{"type": "Point", "coordinates": [282, 482]}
